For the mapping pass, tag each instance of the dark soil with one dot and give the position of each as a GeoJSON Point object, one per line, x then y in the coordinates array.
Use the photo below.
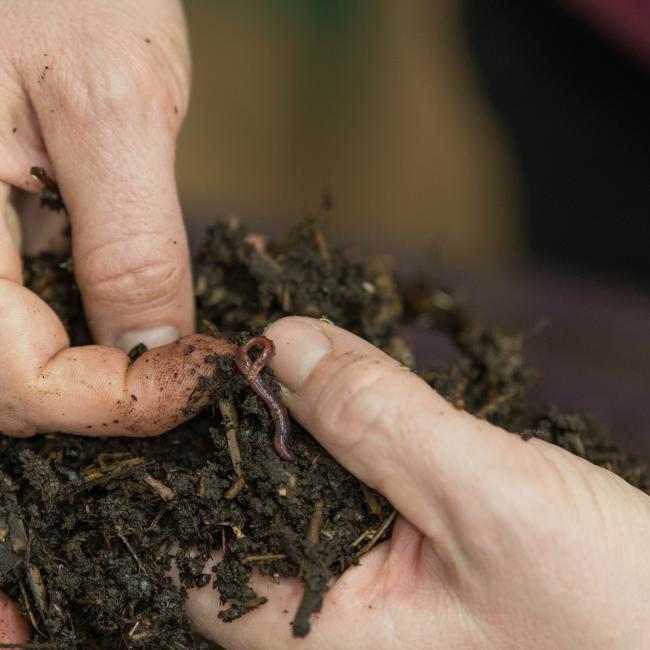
{"type": "Point", "coordinates": [89, 527]}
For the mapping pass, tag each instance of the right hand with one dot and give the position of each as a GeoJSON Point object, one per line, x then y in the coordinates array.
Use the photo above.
{"type": "Point", "coordinates": [501, 544]}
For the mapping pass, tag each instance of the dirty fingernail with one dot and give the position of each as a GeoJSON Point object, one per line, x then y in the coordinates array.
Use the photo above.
{"type": "Point", "coordinates": [300, 344]}
{"type": "Point", "coordinates": [152, 338]}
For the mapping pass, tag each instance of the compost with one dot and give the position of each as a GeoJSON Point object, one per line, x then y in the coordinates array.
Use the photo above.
{"type": "Point", "coordinates": [90, 527]}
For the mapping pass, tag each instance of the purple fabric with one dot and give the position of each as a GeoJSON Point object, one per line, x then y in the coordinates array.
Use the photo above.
{"type": "Point", "coordinates": [592, 355]}
{"type": "Point", "coordinates": [626, 21]}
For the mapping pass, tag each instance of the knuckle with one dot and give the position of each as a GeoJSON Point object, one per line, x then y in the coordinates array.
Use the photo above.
{"type": "Point", "coordinates": [114, 88]}
{"type": "Point", "coordinates": [131, 273]}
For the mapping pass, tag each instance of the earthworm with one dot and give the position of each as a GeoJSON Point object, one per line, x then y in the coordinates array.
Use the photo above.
{"type": "Point", "coordinates": [252, 369]}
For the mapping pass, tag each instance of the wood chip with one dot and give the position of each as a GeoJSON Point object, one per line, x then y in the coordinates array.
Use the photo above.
{"type": "Point", "coordinates": [315, 523]}
{"type": "Point", "coordinates": [164, 492]}
{"type": "Point", "coordinates": [235, 488]}
{"type": "Point", "coordinates": [37, 587]}
{"type": "Point", "coordinates": [269, 557]}
{"type": "Point", "coordinates": [17, 534]}
{"type": "Point", "coordinates": [380, 531]}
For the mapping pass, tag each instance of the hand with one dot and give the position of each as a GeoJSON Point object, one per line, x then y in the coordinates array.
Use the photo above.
{"type": "Point", "coordinates": [95, 93]}
{"type": "Point", "coordinates": [501, 544]}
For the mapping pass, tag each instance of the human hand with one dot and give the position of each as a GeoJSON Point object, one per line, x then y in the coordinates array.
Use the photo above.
{"type": "Point", "coordinates": [500, 543]}
{"type": "Point", "coordinates": [95, 94]}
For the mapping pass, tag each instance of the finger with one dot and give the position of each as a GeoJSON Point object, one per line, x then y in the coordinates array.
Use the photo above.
{"type": "Point", "coordinates": [389, 428]}
{"type": "Point", "coordinates": [13, 628]}
{"type": "Point", "coordinates": [10, 264]}
{"type": "Point", "coordinates": [94, 390]}
{"type": "Point", "coordinates": [110, 129]}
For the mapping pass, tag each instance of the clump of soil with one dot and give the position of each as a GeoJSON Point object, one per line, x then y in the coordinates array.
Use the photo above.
{"type": "Point", "coordinates": [90, 527]}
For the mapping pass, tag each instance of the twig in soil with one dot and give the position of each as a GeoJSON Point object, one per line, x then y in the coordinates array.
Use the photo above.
{"type": "Point", "coordinates": [377, 536]}
{"type": "Point", "coordinates": [235, 488]}
{"type": "Point", "coordinates": [322, 247]}
{"type": "Point", "coordinates": [274, 266]}
{"type": "Point", "coordinates": [371, 500]}
{"type": "Point", "coordinates": [28, 607]}
{"type": "Point", "coordinates": [366, 534]}
{"type": "Point", "coordinates": [210, 327]}
{"type": "Point", "coordinates": [256, 602]}
{"type": "Point", "coordinates": [231, 422]}
{"type": "Point", "coordinates": [37, 587]}
{"type": "Point", "coordinates": [157, 518]}
{"type": "Point", "coordinates": [494, 402]}
{"type": "Point", "coordinates": [269, 557]}
{"type": "Point", "coordinates": [109, 461]}
{"type": "Point", "coordinates": [239, 534]}
{"type": "Point", "coordinates": [105, 472]}
{"type": "Point", "coordinates": [315, 523]}
{"type": "Point", "coordinates": [17, 534]}
{"type": "Point", "coordinates": [164, 492]}
{"type": "Point", "coordinates": [120, 534]}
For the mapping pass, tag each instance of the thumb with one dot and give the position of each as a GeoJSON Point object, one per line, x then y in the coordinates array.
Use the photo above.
{"type": "Point", "coordinates": [110, 133]}
{"type": "Point", "coordinates": [390, 429]}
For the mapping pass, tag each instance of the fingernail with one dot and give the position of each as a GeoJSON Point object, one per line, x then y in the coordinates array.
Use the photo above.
{"type": "Point", "coordinates": [152, 338]}
{"type": "Point", "coordinates": [300, 344]}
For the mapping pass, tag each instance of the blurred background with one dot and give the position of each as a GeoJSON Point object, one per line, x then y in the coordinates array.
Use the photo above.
{"type": "Point", "coordinates": [497, 146]}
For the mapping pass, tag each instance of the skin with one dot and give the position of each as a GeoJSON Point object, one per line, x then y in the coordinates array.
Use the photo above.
{"type": "Point", "coordinates": [500, 544]}
{"type": "Point", "coordinates": [96, 97]}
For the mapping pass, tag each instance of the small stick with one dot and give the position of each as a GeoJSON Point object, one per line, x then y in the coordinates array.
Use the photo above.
{"type": "Point", "coordinates": [366, 534]}
{"type": "Point", "coordinates": [235, 488]}
{"type": "Point", "coordinates": [321, 244]}
{"type": "Point", "coordinates": [130, 548]}
{"type": "Point", "coordinates": [380, 531]}
{"type": "Point", "coordinates": [231, 421]}
{"type": "Point", "coordinates": [315, 523]}
{"type": "Point", "coordinates": [28, 607]}
{"type": "Point", "coordinates": [492, 404]}
{"type": "Point", "coordinates": [253, 603]}
{"type": "Point", "coordinates": [37, 587]}
{"type": "Point", "coordinates": [269, 557]}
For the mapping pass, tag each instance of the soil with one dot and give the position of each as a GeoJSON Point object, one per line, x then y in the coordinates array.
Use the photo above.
{"type": "Point", "coordinates": [89, 527]}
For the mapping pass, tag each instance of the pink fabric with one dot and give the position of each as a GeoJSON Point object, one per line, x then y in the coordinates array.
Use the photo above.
{"type": "Point", "coordinates": [627, 21]}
